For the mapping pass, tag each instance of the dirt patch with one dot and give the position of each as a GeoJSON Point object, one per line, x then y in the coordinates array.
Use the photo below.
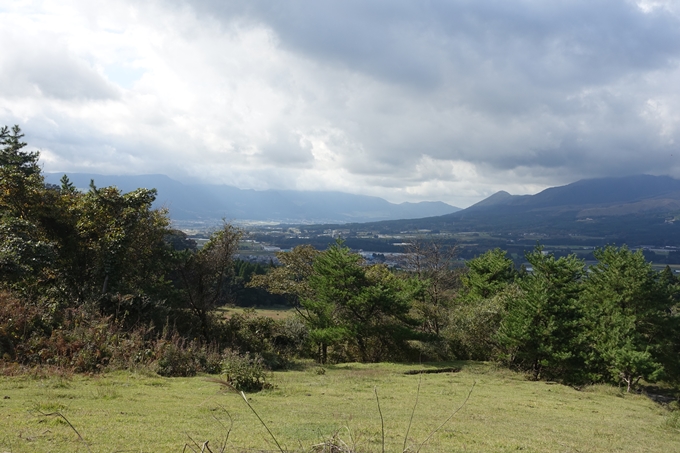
{"type": "Point", "coordinates": [433, 371]}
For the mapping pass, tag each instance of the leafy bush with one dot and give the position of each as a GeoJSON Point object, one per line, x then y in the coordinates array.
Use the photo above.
{"type": "Point", "coordinates": [277, 342]}
{"type": "Point", "coordinates": [244, 372]}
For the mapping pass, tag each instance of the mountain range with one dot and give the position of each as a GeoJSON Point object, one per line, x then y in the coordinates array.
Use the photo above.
{"type": "Point", "coordinates": [211, 203]}
{"type": "Point", "coordinates": [638, 209]}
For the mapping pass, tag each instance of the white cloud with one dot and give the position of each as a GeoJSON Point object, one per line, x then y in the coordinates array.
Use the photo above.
{"type": "Point", "coordinates": [409, 101]}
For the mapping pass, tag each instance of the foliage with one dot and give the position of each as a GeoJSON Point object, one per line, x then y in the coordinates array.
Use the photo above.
{"type": "Point", "coordinates": [19, 323]}
{"type": "Point", "coordinates": [366, 307]}
{"type": "Point", "coordinates": [277, 341]}
{"type": "Point", "coordinates": [629, 318]}
{"type": "Point", "coordinates": [21, 183]}
{"type": "Point", "coordinates": [25, 253]}
{"type": "Point", "coordinates": [290, 279]}
{"type": "Point", "coordinates": [473, 331]}
{"type": "Point", "coordinates": [244, 372]}
{"type": "Point", "coordinates": [488, 287]}
{"type": "Point", "coordinates": [541, 332]}
{"type": "Point", "coordinates": [431, 263]}
{"type": "Point", "coordinates": [488, 274]}
{"type": "Point", "coordinates": [203, 277]}
{"type": "Point", "coordinates": [176, 357]}
{"type": "Point", "coordinates": [243, 294]}
{"type": "Point", "coordinates": [96, 266]}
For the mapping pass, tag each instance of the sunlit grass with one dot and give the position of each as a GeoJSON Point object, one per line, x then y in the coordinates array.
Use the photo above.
{"type": "Point", "coordinates": [270, 312]}
{"type": "Point", "coordinates": [125, 411]}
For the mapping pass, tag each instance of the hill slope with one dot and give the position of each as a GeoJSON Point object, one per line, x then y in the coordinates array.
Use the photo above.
{"type": "Point", "coordinates": [640, 209]}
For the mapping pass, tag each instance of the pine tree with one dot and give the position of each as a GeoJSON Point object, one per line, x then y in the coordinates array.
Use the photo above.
{"type": "Point", "coordinates": [629, 319]}
{"type": "Point", "coordinates": [543, 326]}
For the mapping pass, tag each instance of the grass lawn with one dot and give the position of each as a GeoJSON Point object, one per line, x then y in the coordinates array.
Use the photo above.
{"type": "Point", "coordinates": [137, 412]}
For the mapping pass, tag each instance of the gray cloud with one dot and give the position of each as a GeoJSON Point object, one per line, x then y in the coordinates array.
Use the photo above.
{"type": "Point", "coordinates": [514, 70]}
{"type": "Point", "coordinates": [569, 42]}
{"type": "Point", "coordinates": [407, 100]}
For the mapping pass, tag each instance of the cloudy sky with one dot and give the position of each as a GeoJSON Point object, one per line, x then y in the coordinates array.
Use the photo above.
{"type": "Point", "coordinates": [407, 100]}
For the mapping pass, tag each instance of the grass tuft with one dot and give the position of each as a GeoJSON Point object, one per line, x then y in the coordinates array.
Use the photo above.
{"type": "Point", "coordinates": [672, 421]}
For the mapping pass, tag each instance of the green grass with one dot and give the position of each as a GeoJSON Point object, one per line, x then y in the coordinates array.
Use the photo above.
{"type": "Point", "coordinates": [275, 312]}
{"type": "Point", "coordinates": [124, 411]}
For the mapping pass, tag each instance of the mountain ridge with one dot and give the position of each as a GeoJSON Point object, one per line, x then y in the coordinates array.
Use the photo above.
{"type": "Point", "coordinates": [636, 209]}
{"type": "Point", "coordinates": [206, 202]}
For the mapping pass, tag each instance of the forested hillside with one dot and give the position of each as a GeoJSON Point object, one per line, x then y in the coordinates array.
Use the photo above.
{"type": "Point", "coordinates": [98, 279]}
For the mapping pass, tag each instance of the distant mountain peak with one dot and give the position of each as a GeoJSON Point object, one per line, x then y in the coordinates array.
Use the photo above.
{"type": "Point", "coordinates": [500, 197]}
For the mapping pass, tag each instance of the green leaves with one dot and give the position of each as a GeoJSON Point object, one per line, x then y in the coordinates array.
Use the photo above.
{"type": "Point", "coordinates": [24, 252]}
{"type": "Point", "coordinates": [359, 310]}
{"type": "Point", "coordinates": [488, 274]}
{"type": "Point", "coordinates": [541, 330]}
{"type": "Point", "coordinates": [628, 317]}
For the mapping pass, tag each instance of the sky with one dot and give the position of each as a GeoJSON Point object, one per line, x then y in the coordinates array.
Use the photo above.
{"type": "Point", "coordinates": [406, 100]}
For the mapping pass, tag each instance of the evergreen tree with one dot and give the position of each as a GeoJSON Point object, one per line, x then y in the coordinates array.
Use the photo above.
{"type": "Point", "coordinates": [488, 283]}
{"type": "Point", "coordinates": [630, 323]}
{"type": "Point", "coordinates": [541, 332]}
{"type": "Point", "coordinates": [366, 306]}
{"type": "Point", "coordinates": [488, 274]}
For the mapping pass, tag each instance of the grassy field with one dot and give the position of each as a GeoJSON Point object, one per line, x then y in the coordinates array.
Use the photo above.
{"type": "Point", "coordinates": [270, 312]}
{"type": "Point", "coordinates": [138, 412]}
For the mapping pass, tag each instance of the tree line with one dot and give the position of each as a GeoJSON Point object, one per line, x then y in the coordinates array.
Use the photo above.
{"type": "Point", "coordinates": [616, 321]}
{"type": "Point", "coordinates": [92, 277]}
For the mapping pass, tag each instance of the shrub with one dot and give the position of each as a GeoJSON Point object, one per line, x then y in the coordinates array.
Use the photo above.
{"type": "Point", "coordinates": [19, 321]}
{"type": "Point", "coordinates": [244, 372]}
{"type": "Point", "coordinates": [209, 359]}
{"type": "Point", "coordinates": [175, 358]}
{"type": "Point", "coordinates": [277, 342]}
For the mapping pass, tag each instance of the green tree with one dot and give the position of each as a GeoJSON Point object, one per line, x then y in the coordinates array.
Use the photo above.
{"type": "Point", "coordinates": [25, 254]}
{"type": "Point", "coordinates": [111, 245]}
{"type": "Point", "coordinates": [102, 248]}
{"type": "Point", "coordinates": [488, 284]}
{"type": "Point", "coordinates": [366, 306]}
{"type": "Point", "coordinates": [26, 251]}
{"type": "Point", "coordinates": [291, 278]}
{"type": "Point", "coordinates": [204, 277]}
{"type": "Point", "coordinates": [630, 325]}
{"type": "Point", "coordinates": [21, 182]}
{"type": "Point", "coordinates": [541, 332]}
{"type": "Point", "coordinates": [488, 274]}
{"type": "Point", "coordinates": [362, 311]}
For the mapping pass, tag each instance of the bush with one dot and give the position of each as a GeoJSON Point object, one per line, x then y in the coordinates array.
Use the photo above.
{"type": "Point", "coordinates": [174, 359]}
{"type": "Point", "coordinates": [244, 372]}
{"type": "Point", "coordinates": [178, 358]}
{"type": "Point", "coordinates": [19, 321]}
{"type": "Point", "coordinates": [277, 342]}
